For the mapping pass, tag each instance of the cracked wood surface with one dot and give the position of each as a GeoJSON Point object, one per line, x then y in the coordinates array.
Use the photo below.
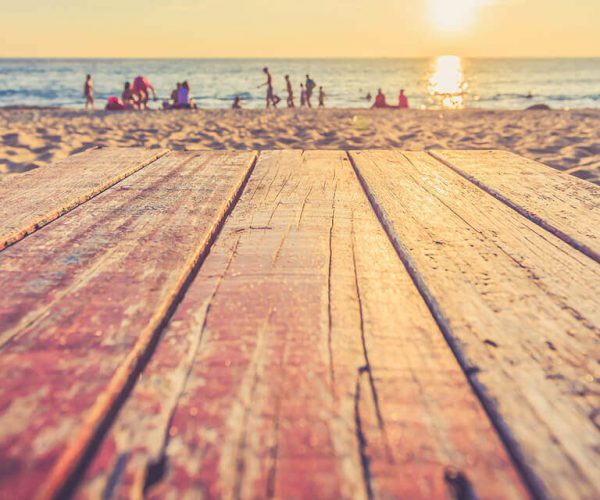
{"type": "Point", "coordinates": [83, 300]}
{"type": "Point", "coordinates": [302, 363]}
{"type": "Point", "coordinates": [518, 305]}
{"type": "Point", "coordinates": [562, 204]}
{"type": "Point", "coordinates": [33, 199]}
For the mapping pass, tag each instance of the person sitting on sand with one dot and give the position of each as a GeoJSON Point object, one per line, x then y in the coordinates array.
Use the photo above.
{"type": "Point", "coordinates": [402, 100]}
{"type": "Point", "coordinates": [184, 101]}
{"type": "Point", "coordinates": [172, 104]}
{"type": "Point", "coordinates": [379, 100]}
{"type": "Point", "coordinates": [310, 86]}
{"type": "Point", "coordinates": [129, 98]}
{"type": "Point", "coordinates": [88, 92]}
{"type": "Point", "coordinates": [290, 92]}
{"type": "Point", "coordinates": [141, 86]}
{"type": "Point", "coordinates": [321, 97]}
{"type": "Point", "coordinates": [272, 99]}
{"type": "Point", "coordinates": [237, 103]}
{"type": "Point", "coordinates": [302, 96]}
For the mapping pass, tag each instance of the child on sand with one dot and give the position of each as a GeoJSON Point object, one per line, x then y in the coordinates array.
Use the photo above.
{"type": "Point", "coordinates": [321, 97]}
{"type": "Point", "coordinates": [302, 96]}
{"type": "Point", "coordinates": [237, 103]}
{"type": "Point", "coordinates": [128, 97]}
{"type": "Point", "coordinates": [88, 92]}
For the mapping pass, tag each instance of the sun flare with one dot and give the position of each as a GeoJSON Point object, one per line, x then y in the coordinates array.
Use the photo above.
{"type": "Point", "coordinates": [453, 15]}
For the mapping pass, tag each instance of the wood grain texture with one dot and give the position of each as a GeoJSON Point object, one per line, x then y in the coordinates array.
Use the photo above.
{"type": "Point", "coordinates": [84, 298]}
{"type": "Point", "coordinates": [519, 306]}
{"type": "Point", "coordinates": [302, 363]}
{"type": "Point", "coordinates": [35, 198]}
{"type": "Point", "coordinates": [564, 205]}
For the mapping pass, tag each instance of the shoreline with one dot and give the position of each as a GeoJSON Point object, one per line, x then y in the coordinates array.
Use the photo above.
{"type": "Point", "coordinates": [568, 140]}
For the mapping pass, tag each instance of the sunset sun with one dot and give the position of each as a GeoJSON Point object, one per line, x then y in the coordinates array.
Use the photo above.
{"type": "Point", "coordinates": [453, 15]}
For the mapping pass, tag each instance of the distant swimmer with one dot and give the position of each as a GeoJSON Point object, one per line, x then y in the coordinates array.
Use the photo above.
{"type": "Point", "coordinates": [272, 99]}
{"type": "Point", "coordinates": [310, 86]}
{"type": "Point", "coordinates": [237, 103]}
{"type": "Point", "coordinates": [379, 100]}
{"type": "Point", "coordinates": [402, 100]}
{"type": "Point", "coordinates": [302, 96]}
{"type": "Point", "coordinates": [321, 97]}
{"type": "Point", "coordinates": [290, 92]}
{"type": "Point", "coordinates": [529, 95]}
{"type": "Point", "coordinates": [88, 92]}
{"type": "Point", "coordinates": [141, 86]}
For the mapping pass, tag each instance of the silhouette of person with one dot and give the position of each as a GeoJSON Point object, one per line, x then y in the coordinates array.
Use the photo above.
{"type": "Point", "coordinates": [402, 100]}
{"type": "Point", "coordinates": [88, 92]}
{"type": "Point", "coordinates": [290, 92]}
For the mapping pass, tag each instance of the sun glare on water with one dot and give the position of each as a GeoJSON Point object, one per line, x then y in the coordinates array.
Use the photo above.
{"type": "Point", "coordinates": [447, 86]}
{"type": "Point", "coordinates": [453, 15]}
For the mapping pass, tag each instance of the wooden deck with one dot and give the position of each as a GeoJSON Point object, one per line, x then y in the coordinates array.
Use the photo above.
{"type": "Point", "coordinates": [317, 324]}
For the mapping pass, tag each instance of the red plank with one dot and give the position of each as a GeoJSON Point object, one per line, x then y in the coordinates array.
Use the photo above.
{"type": "Point", "coordinates": [83, 300]}
{"type": "Point", "coordinates": [33, 199]}
{"type": "Point", "coordinates": [302, 363]}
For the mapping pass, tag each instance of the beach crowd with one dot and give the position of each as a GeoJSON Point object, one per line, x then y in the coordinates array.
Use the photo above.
{"type": "Point", "coordinates": [135, 96]}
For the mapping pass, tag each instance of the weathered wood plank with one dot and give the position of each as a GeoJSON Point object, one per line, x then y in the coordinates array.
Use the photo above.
{"type": "Point", "coordinates": [35, 198]}
{"type": "Point", "coordinates": [519, 306]}
{"type": "Point", "coordinates": [564, 205]}
{"type": "Point", "coordinates": [83, 300]}
{"type": "Point", "coordinates": [302, 363]}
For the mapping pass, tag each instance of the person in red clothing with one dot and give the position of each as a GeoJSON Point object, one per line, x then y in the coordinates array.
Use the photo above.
{"type": "Point", "coordinates": [379, 100]}
{"type": "Point", "coordinates": [141, 86]}
{"type": "Point", "coordinates": [402, 100]}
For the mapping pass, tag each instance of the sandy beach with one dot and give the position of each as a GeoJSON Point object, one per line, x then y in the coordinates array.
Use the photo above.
{"type": "Point", "coordinates": [566, 140]}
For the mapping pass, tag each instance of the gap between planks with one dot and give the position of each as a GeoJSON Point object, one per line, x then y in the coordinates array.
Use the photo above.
{"type": "Point", "coordinates": [66, 488]}
{"type": "Point", "coordinates": [10, 236]}
{"type": "Point", "coordinates": [67, 472]}
{"type": "Point", "coordinates": [496, 419]}
{"type": "Point", "coordinates": [533, 217]}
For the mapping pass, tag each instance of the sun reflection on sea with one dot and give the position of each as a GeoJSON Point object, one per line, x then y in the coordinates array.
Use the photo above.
{"type": "Point", "coordinates": [446, 85]}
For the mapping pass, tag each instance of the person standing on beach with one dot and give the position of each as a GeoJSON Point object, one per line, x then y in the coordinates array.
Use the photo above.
{"type": "Point", "coordinates": [310, 86]}
{"type": "Point", "coordinates": [321, 97]}
{"type": "Point", "coordinates": [272, 99]}
{"type": "Point", "coordinates": [141, 86]}
{"type": "Point", "coordinates": [302, 96]}
{"type": "Point", "coordinates": [402, 100]}
{"type": "Point", "coordinates": [290, 92]}
{"type": "Point", "coordinates": [88, 92]}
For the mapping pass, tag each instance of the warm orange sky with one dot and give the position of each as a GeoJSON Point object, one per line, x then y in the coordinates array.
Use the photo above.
{"type": "Point", "coordinates": [305, 28]}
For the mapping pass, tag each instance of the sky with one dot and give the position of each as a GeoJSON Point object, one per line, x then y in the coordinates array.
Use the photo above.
{"type": "Point", "coordinates": [299, 28]}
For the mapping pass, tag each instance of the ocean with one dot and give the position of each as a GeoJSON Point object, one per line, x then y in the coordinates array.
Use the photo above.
{"type": "Point", "coordinates": [445, 81]}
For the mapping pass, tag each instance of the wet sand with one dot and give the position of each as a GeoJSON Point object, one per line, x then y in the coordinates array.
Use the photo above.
{"type": "Point", "coordinates": [566, 140]}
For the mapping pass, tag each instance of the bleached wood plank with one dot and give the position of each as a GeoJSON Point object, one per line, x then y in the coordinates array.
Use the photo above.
{"type": "Point", "coordinates": [519, 306]}
{"type": "Point", "coordinates": [564, 205]}
{"type": "Point", "coordinates": [33, 199]}
{"type": "Point", "coordinates": [302, 363]}
{"type": "Point", "coordinates": [83, 300]}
